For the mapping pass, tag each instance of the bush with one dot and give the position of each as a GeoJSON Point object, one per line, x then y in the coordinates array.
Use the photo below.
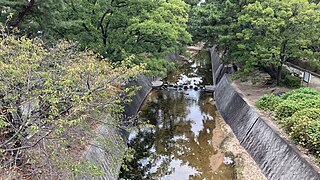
{"type": "Point", "coordinates": [300, 97]}
{"type": "Point", "coordinates": [313, 113]}
{"type": "Point", "coordinates": [301, 91]}
{"type": "Point", "coordinates": [289, 106]}
{"type": "Point", "coordinates": [268, 102]}
{"type": "Point", "coordinates": [298, 111]}
{"type": "Point", "coordinates": [286, 109]}
{"type": "Point", "coordinates": [305, 129]}
{"type": "Point", "coordinates": [311, 103]}
{"type": "Point", "coordinates": [292, 81]}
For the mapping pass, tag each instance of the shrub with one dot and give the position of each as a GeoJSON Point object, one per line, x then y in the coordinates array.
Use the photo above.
{"type": "Point", "coordinates": [289, 106]}
{"type": "Point", "coordinates": [292, 81]}
{"type": "Point", "coordinates": [268, 102]}
{"type": "Point", "coordinates": [286, 109]}
{"type": "Point", "coordinates": [311, 103]}
{"type": "Point", "coordinates": [298, 111]}
{"type": "Point", "coordinates": [313, 113]}
{"type": "Point", "coordinates": [306, 130]}
{"type": "Point", "coordinates": [300, 97]}
{"type": "Point", "coordinates": [301, 91]}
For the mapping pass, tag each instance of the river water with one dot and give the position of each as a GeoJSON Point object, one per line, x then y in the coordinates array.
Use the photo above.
{"type": "Point", "coordinates": [181, 141]}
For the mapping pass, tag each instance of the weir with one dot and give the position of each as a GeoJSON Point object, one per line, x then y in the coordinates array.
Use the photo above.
{"type": "Point", "coordinates": [277, 158]}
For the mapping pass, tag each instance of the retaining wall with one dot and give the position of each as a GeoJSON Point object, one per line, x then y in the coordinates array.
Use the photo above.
{"type": "Point", "coordinates": [109, 161]}
{"type": "Point", "coordinates": [276, 157]}
{"type": "Point", "coordinates": [218, 69]}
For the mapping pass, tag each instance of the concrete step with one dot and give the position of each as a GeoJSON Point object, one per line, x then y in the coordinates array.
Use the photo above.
{"type": "Point", "coordinates": [209, 88]}
{"type": "Point", "coordinates": [156, 84]}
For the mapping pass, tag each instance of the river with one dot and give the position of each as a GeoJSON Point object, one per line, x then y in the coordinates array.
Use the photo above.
{"type": "Point", "coordinates": [181, 140]}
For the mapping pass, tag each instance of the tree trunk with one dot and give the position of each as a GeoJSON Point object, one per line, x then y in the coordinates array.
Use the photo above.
{"type": "Point", "coordinates": [271, 70]}
{"type": "Point", "coordinates": [282, 60]}
{"type": "Point", "coordinates": [23, 13]}
{"type": "Point", "coordinates": [279, 74]}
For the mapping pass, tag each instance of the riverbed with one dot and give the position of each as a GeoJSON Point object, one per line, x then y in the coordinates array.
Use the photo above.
{"type": "Point", "coordinates": [185, 138]}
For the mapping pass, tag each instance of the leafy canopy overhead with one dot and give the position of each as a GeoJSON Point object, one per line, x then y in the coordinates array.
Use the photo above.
{"type": "Point", "coordinates": [274, 31]}
{"type": "Point", "coordinates": [114, 28]}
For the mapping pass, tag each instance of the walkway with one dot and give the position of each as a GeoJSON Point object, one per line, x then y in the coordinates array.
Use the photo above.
{"type": "Point", "coordinates": [315, 78]}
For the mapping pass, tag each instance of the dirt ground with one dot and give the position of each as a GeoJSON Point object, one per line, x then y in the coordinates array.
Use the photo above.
{"type": "Point", "coordinates": [226, 143]}
{"type": "Point", "coordinates": [245, 167]}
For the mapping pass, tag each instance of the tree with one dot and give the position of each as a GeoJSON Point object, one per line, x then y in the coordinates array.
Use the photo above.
{"type": "Point", "coordinates": [115, 28]}
{"type": "Point", "coordinates": [48, 94]}
{"type": "Point", "coordinates": [274, 31]}
{"type": "Point", "coordinates": [151, 29]}
{"type": "Point", "coordinates": [203, 21]}
{"type": "Point", "coordinates": [35, 17]}
{"type": "Point", "coordinates": [215, 22]}
{"type": "Point", "coordinates": [259, 34]}
{"type": "Point", "coordinates": [193, 2]}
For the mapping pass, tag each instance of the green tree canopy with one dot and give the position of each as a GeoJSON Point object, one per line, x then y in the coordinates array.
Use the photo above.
{"type": "Point", "coordinates": [259, 34]}
{"type": "Point", "coordinates": [274, 31]}
{"type": "Point", "coordinates": [215, 22]}
{"type": "Point", "coordinates": [115, 28]}
{"type": "Point", "coordinates": [203, 21]}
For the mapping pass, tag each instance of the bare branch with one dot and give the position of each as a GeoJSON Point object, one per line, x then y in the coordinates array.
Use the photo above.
{"type": "Point", "coordinates": [34, 144]}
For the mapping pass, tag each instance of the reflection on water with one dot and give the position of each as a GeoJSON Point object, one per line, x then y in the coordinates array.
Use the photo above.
{"type": "Point", "coordinates": [179, 145]}
{"type": "Point", "coordinates": [197, 71]}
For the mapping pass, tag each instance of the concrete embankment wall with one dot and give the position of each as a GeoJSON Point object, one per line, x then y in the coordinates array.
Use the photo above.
{"type": "Point", "coordinates": [109, 159]}
{"type": "Point", "coordinates": [275, 156]}
{"type": "Point", "coordinates": [146, 86]}
{"type": "Point", "coordinates": [218, 69]}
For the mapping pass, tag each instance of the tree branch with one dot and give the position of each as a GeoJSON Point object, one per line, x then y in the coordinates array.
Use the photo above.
{"type": "Point", "coordinates": [34, 144]}
{"type": "Point", "coordinates": [23, 13]}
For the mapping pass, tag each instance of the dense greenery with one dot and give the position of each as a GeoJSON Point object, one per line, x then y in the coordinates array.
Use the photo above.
{"type": "Point", "coordinates": [48, 85]}
{"type": "Point", "coordinates": [117, 29]}
{"type": "Point", "coordinates": [268, 102]}
{"type": "Point", "coordinates": [48, 96]}
{"type": "Point", "coordinates": [53, 91]}
{"type": "Point", "coordinates": [259, 34]}
{"type": "Point", "coordinates": [297, 112]}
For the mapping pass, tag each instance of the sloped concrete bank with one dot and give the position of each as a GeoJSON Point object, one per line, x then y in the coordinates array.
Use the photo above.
{"type": "Point", "coordinates": [109, 160]}
{"type": "Point", "coordinates": [218, 69]}
{"type": "Point", "coordinates": [275, 156]}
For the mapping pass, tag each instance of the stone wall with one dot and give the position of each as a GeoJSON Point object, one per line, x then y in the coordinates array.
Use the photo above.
{"type": "Point", "coordinates": [277, 158]}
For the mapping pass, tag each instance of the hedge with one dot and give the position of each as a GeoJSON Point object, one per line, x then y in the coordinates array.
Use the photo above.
{"type": "Point", "coordinates": [298, 112]}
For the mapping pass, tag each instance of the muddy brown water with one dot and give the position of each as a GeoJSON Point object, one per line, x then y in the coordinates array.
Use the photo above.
{"type": "Point", "coordinates": [182, 140]}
